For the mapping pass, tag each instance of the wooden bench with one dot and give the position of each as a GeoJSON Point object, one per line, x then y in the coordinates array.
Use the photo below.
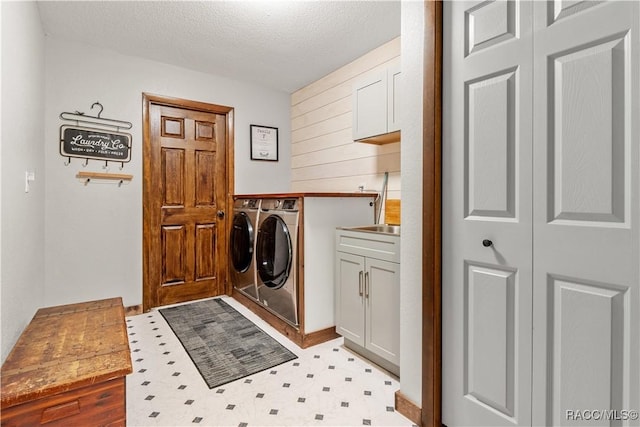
{"type": "Point", "coordinates": [69, 367]}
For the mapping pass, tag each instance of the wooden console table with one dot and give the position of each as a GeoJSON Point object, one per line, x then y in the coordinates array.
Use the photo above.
{"type": "Point", "coordinates": [69, 368]}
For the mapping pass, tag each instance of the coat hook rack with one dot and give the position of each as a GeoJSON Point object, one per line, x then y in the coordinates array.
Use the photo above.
{"type": "Point", "coordinates": [101, 108]}
{"type": "Point", "coordinates": [81, 117]}
{"type": "Point", "coordinates": [95, 137]}
{"type": "Point", "coordinates": [120, 177]}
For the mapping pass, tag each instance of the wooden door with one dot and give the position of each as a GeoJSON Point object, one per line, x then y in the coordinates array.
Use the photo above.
{"type": "Point", "coordinates": [586, 212]}
{"type": "Point", "coordinates": [185, 203]}
{"type": "Point", "coordinates": [487, 224]}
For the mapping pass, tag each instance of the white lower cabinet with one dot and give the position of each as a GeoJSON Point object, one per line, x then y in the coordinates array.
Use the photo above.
{"type": "Point", "coordinates": [368, 301]}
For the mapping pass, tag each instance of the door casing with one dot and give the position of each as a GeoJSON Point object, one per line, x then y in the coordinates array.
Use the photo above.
{"type": "Point", "coordinates": [432, 217]}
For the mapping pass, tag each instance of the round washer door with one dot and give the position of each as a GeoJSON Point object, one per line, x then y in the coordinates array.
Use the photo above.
{"type": "Point", "coordinates": [274, 252]}
{"type": "Point", "coordinates": [241, 242]}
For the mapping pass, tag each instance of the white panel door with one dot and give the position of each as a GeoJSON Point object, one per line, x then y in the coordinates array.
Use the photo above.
{"type": "Point", "coordinates": [487, 168]}
{"type": "Point", "coordinates": [586, 212]}
{"type": "Point", "coordinates": [576, 186]}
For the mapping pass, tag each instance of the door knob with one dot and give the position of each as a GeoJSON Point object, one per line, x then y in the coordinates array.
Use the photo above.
{"type": "Point", "coordinates": [486, 243]}
{"type": "Point", "coordinates": [220, 214]}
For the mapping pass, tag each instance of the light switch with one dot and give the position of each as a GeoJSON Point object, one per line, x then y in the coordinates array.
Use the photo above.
{"type": "Point", "coordinates": [28, 178]}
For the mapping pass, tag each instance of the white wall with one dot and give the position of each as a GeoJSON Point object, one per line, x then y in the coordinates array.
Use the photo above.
{"type": "Point", "coordinates": [94, 232]}
{"type": "Point", "coordinates": [324, 156]}
{"type": "Point", "coordinates": [412, 54]}
{"type": "Point", "coordinates": [22, 244]}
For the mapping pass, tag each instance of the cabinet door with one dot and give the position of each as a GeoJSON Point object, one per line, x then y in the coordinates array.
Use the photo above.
{"type": "Point", "coordinates": [382, 296]}
{"type": "Point", "coordinates": [393, 98]}
{"type": "Point", "coordinates": [370, 106]}
{"type": "Point", "coordinates": [350, 297]}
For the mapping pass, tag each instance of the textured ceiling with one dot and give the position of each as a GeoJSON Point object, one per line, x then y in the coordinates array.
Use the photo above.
{"type": "Point", "coordinates": [284, 45]}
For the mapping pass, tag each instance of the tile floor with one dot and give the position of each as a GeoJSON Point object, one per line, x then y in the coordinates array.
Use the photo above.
{"type": "Point", "coordinates": [326, 385]}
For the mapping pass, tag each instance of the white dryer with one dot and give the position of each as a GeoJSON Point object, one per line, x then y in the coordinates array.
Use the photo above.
{"type": "Point", "coordinates": [277, 257]}
{"type": "Point", "coordinates": [242, 245]}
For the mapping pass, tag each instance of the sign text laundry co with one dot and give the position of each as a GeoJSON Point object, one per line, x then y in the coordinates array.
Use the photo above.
{"type": "Point", "coordinates": [95, 144]}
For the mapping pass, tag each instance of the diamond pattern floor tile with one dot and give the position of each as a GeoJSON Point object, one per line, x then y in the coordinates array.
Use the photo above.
{"type": "Point", "coordinates": [327, 385]}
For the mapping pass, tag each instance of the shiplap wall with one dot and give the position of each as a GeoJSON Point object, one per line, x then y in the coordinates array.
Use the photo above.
{"type": "Point", "coordinates": [324, 156]}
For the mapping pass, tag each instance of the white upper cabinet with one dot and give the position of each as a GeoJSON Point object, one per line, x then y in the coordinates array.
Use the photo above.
{"type": "Point", "coordinates": [376, 105]}
{"type": "Point", "coordinates": [393, 97]}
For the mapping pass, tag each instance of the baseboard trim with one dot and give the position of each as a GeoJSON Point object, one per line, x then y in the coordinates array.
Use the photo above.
{"type": "Point", "coordinates": [407, 408]}
{"type": "Point", "coordinates": [318, 337]}
{"type": "Point", "coordinates": [274, 321]}
{"type": "Point", "coordinates": [301, 339]}
{"type": "Point", "coordinates": [133, 310]}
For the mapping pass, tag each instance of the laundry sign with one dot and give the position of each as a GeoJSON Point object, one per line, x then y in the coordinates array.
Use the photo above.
{"type": "Point", "coordinates": [94, 144]}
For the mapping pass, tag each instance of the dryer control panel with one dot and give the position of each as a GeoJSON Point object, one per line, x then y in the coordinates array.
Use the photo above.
{"type": "Point", "coordinates": [289, 204]}
{"type": "Point", "coordinates": [280, 204]}
{"type": "Point", "coordinates": [250, 203]}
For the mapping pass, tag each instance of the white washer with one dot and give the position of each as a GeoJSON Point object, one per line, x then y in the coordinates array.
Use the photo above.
{"type": "Point", "coordinates": [276, 257]}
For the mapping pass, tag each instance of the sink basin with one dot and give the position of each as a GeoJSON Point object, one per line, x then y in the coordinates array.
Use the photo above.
{"type": "Point", "coordinates": [378, 228]}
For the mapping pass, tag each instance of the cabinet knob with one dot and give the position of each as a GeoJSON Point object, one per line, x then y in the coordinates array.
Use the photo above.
{"type": "Point", "coordinates": [486, 243]}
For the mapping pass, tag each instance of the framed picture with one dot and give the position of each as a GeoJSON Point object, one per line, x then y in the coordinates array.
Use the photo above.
{"type": "Point", "coordinates": [264, 143]}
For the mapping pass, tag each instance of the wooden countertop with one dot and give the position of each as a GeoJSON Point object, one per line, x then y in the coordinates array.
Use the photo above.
{"type": "Point", "coordinates": [304, 194]}
{"type": "Point", "coordinates": [65, 348]}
